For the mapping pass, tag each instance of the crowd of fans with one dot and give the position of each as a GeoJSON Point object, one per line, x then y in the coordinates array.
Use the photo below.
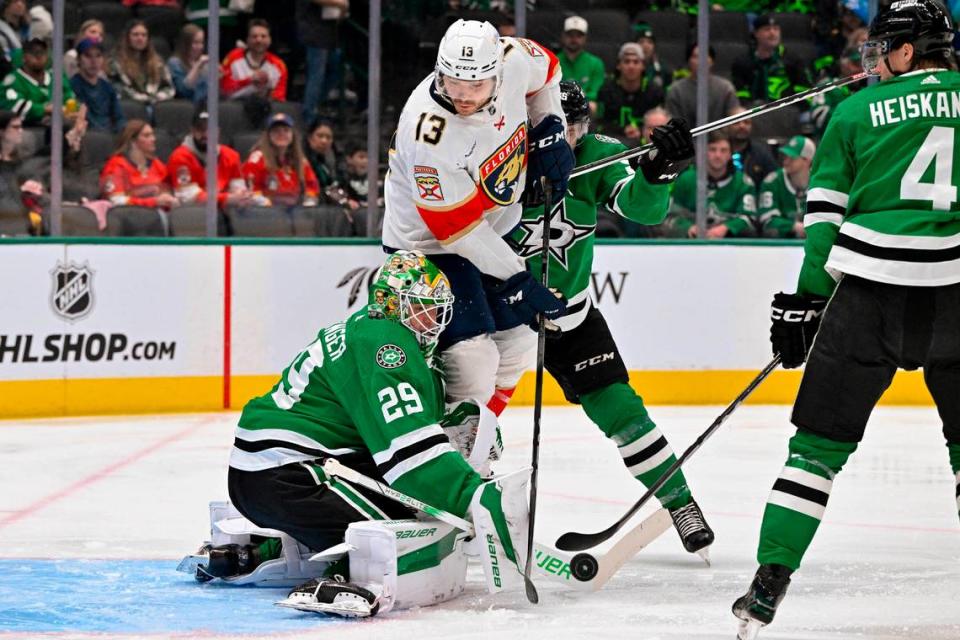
{"type": "Point", "coordinates": [131, 87]}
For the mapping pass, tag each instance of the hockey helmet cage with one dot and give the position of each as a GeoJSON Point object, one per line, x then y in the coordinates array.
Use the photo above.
{"type": "Point", "coordinates": [574, 102]}
{"type": "Point", "coordinates": [923, 23]}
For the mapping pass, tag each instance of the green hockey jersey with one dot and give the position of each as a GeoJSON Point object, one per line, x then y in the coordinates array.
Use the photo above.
{"type": "Point", "coordinates": [23, 94]}
{"type": "Point", "coordinates": [883, 201]}
{"type": "Point", "coordinates": [731, 201]}
{"type": "Point", "coordinates": [616, 187]}
{"type": "Point", "coordinates": [361, 386]}
{"type": "Point", "coordinates": [780, 205]}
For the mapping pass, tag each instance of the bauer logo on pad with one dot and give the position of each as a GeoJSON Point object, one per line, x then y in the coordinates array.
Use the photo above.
{"type": "Point", "coordinates": [72, 295]}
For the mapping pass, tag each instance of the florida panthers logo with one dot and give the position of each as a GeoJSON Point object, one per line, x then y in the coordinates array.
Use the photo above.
{"type": "Point", "coordinates": [500, 173]}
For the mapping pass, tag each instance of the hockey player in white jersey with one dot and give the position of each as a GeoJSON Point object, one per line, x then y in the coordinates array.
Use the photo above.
{"type": "Point", "coordinates": [485, 126]}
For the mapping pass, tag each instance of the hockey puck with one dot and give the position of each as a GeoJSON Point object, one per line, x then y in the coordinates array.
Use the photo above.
{"type": "Point", "coordinates": [584, 567]}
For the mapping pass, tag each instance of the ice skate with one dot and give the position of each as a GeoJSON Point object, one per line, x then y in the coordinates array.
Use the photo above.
{"type": "Point", "coordinates": [758, 606]}
{"type": "Point", "coordinates": [332, 597]}
{"type": "Point", "coordinates": [226, 561]}
{"type": "Point", "coordinates": [695, 533]}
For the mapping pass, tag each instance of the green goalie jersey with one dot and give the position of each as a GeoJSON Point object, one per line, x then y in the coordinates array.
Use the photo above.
{"type": "Point", "coordinates": [616, 187]}
{"type": "Point", "coordinates": [883, 201]}
{"type": "Point", "coordinates": [362, 387]}
{"type": "Point", "coordinates": [780, 206]}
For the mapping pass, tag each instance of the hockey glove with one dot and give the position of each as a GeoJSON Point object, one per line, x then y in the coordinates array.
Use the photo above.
{"type": "Point", "coordinates": [794, 322]}
{"type": "Point", "coordinates": [518, 300]}
{"type": "Point", "coordinates": [549, 157]}
{"type": "Point", "coordinates": [673, 153]}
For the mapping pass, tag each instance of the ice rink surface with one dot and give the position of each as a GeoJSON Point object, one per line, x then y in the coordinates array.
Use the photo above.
{"type": "Point", "coordinates": [96, 512]}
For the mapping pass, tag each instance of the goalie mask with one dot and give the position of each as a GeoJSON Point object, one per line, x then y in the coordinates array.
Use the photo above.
{"type": "Point", "coordinates": [469, 65]}
{"type": "Point", "coordinates": [922, 23]}
{"type": "Point", "coordinates": [411, 290]}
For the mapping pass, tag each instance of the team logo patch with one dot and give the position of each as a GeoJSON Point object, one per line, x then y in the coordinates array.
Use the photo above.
{"type": "Point", "coordinates": [183, 176]}
{"type": "Point", "coordinates": [428, 183]}
{"type": "Point", "coordinates": [500, 173]}
{"type": "Point", "coordinates": [390, 356]}
{"type": "Point", "coordinates": [530, 47]}
{"type": "Point", "coordinates": [72, 295]}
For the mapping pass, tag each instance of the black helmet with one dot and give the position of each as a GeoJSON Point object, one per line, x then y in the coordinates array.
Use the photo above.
{"type": "Point", "coordinates": [923, 23]}
{"type": "Point", "coordinates": [574, 102]}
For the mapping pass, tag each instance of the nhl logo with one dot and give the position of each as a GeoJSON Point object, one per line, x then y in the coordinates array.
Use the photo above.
{"type": "Point", "coordinates": [72, 295]}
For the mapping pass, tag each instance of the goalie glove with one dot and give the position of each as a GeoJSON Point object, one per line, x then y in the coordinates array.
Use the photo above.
{"type": "Point", "coordinates": [473, 430]}
{"type": "Point", "coordinates": [673, 153]}
{"type": "Point", "coordinates": [550, 157]}
{"type": "Point", "coordinates": [794, 321]}
{"type": "Point", "coordinates": [501, 518]}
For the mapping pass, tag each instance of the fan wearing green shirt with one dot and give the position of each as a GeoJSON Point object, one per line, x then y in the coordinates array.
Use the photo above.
{"type": "Point", "coordinates": [577, 64]}
{"type": "Point", "coordinates": [783, 192]}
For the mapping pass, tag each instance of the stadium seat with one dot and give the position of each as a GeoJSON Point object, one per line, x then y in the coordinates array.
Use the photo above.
{"type": "Point", "coordinates": [161, 45]}
{"type": "Point", "coordinates": [113, 15]}
{"type": "Point", "coordinates": [545, 26]}
{"type": "Point", "coordinates": [97, 147]}
{"type": "Point", "coordinates": [728, 26]}
{"type": "Point", "coordinates": [672, 53]}
{"type": "Point", "coordinates": [726, 56]}
{"type": "Point", "coordinates": [174, 116]}
{"type": "Point", "coordinates": [608, 25]}
{"type": "Point", "coordinates": [13, 223]}
{"type": "Point", "coordinates": [78, 221]}
{"type": "Point", "coordinates": [135, 221]}
{"type": "Point", "coordinates": [667, 25]}
{"type": "Point", "coordinates": [189, 221]}
{"type": "Point", "coordinates": [232, 119]}
{"type": "Point", "coordinates": [134, 110]}
{"type": "Point", "coordinates": [71, 15]}
{"type": "Point", "coordinates": [262, 222]}
{"type": "Point", "coordinates": [606, 51]}
{"type": "Point", "coordinates": [803, 50]}
{"type": "Point", "coordinates": [163, 22]}
{"type": "Point", "coordinates": [166, 143]}
{"type": "Point", "coordinates": [795, 26]}
{"type": "Point", "coordinates": [243, 142]}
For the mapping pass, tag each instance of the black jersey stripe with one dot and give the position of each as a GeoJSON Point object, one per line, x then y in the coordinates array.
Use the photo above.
{"type": "Point", "coordinates": [801, 491]}
{"type": "Point", "coordinates": [256, 446]}
{"type": "Point", "coordinates": [411, 450]}
{"type": "Point", "coordinates": [647, 453]}
{"type": "Point", "coordinates": [825, 206]}
{"type": "Point", "coordinates": [958, 489]}
{"type": "Point", "coordinates": [897, 253]}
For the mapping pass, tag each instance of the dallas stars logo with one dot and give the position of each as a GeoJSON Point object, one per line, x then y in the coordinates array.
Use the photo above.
{"type": "Point", "coordinates": [564, 234]}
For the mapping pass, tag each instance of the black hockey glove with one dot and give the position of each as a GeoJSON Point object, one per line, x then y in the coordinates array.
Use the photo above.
{"type": "Point", "coordinates": [518, 301]}
{"type": "Point", "coordinates": [673, 153]}
{"type": "Point", "coordinates": [550, 157]}
{"type": "Point", "coordinates": [794, 322]}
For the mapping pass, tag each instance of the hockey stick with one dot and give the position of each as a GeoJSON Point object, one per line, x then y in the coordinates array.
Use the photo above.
{"type": "Point", "coordinates": [573, 541]}
{"type": "Point", "coordinates": [726, 121]}
{"type": "Point", "coordinates": [531, 590]}
{"type": "Point", "coordinates": [334, 468]}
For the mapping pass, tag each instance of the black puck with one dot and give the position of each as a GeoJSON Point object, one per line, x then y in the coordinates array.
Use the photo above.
{"type": "Point", "coordinates": [584, 567]}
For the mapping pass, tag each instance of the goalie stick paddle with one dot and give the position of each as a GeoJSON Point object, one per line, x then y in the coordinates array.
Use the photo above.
{"type": "Point", "coordinates": [573, 541]}
{"type": "Point", "coordinates": [548, 194]}
{"type": "Point", "coordinates": [726, 121]}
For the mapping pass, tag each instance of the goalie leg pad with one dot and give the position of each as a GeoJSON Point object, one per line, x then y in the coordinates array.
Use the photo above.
{"type": "Point", "coordinates": [501, 517]}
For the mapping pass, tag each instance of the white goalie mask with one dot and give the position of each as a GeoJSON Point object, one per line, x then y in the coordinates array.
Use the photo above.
{"type": "Point", "coordinates": [469, 65]}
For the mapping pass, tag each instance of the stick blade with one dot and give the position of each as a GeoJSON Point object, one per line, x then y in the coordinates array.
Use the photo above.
{"type": "Point", "coordinates": [573, 541]}
{"type": "Point", "coordinates": [531, 590]}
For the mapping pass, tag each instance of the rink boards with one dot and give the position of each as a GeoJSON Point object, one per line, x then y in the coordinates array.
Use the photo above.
{"type": "Point", "coordinates": [142, 327]}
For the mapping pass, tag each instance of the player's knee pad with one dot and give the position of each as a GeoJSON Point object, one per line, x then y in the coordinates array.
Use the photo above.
{"type": "Point", "coordinates": [470, 368]}
{"type": "Point", "coordinates": [410, 563]}
{"type": "Point", "coordinates": [810, 449]}
{"type": "Point", "coordinates": [295, 564]}
{"type": "Point", "coordinates": [518, 351]}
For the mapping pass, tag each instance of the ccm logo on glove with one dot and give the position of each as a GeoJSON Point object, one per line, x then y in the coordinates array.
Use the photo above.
{"type": "Point", "coordinates": [795, 315]}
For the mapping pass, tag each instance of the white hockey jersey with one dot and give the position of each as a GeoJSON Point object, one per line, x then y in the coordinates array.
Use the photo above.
{"type": "Point", "coordinates": [451, 175]}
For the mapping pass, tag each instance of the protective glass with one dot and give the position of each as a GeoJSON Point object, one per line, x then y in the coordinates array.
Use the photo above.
{"type": "Point", "coordinates": [871, 55]}
{"type": "Point", "coordinates": [476, 91]}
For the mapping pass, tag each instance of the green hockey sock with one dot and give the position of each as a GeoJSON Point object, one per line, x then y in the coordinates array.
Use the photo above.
{"type": "Point", "coordinates": [620, 414]}
{"type": "Point", "coordinates": [954, 450]}
{"type": "Point", "coordinates": [270, 549]}
{"type": "Point", "coordinates": [799, 498]}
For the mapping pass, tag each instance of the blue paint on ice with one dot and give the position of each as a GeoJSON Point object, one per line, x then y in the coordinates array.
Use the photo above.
{"type": "Point", "coordinates": [135, 596]}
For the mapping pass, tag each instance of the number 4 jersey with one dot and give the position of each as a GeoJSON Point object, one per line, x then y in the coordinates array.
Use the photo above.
{"type": "Point", "coordinates": [883, 201]}
{"type": "Point", "coordinates": [361, 386]}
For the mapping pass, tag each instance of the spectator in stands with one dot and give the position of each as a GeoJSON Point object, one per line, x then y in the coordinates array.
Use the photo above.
{"type": "Point", "coordinates": [174, 4]}
{"type": "Point", "coordinates": [11, 175]}
{"type": "Point", "coordinates": [783, 194]}
{"type": "Point", "coordinates": [322, 154]}
{"type": "Point", "coordinates": [14, 28]}
{"type": "Point", "coordinates": [277, 173]}
{"type": "Point", "coordinates": [354, 178]}
{"type": "Point", "coordinates": [137, 71]}
{"type": "Point", "coordinates": [89, 30]}
{"type": "Point", "coordinates": [768, 72]}
{"type": "Point", "coordinates": [133, 175]}
{"type": "Point", "coordinates": [253, 70]}
{"type": "Point", "coordinates": [731, 196]}
{"type": "Point", "coordinates": [656, 72]}
{"type": "Point", "coordinates": [578, 64]}
{"type": "Point", "coordinates": [656, 117]}
{"type": "Point", "coordinates": [186, 168]}
{"type": "Point", "coordinates": [754, 159]}
{"type": "Point", "coordinates": [319, 24]}
{"type": "Point", "coordinates": [682, 94]}
{"type": "Point", "coordinates": [198, 13]}
{"type": "Point", "coordinates": [622, 102]}
{"type": "Point", "coordinates": [103, 103]}
{"type": "Point", "coordinates": [27, 91]}
{"type": "Point", "coordinates": [188, 65]}
{"type": "Point", "coordinates": [823, 105]}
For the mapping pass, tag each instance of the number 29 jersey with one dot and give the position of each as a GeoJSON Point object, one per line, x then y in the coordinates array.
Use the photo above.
{"type": "Point", "coordinates": [449, 173]}
{"type": "Point", "coordinates": [362, 386]}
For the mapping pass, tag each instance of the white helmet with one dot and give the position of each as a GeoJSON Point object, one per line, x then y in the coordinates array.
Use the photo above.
{"type": "Point", "coordinates": [470, 50]}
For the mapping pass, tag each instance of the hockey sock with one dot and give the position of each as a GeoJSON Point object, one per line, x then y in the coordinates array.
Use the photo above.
{"type": "Point", "coordinates": [269, 549]}
{"type": "Point", "coordinates": [500, 399]}
{"type": "Point", "coordinates": [620, 414]}
{"type": "Point", "coordinates": [954, 450]}
{"type": "Point", "coordinates": [799, 497]}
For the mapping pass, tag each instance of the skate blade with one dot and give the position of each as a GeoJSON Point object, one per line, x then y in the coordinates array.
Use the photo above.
{"type": "Point", "coordinates": [342, 609]}
{"type": "Point", "coordinates": [749, 629]}
{"type": "Point", "coordinates": [705, 554]}
{"type": "Point", "coordinates": [190, 564]}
